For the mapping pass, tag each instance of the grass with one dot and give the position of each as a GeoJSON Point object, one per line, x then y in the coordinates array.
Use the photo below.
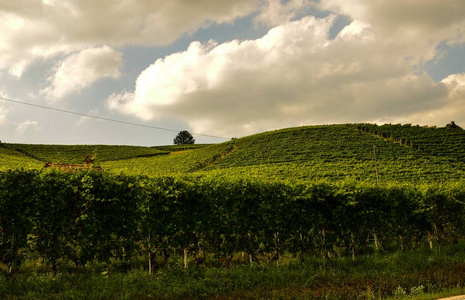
{"type": "Point", "coordinates": [423, 274]}
{"type": "Point", "coordinates": [308, 153]}
{"type": "Point", "coordinates": [75, 154]}
{"type": "Point", "coordinates": [331, 152]}
{"type": "Point", "coordinates": [12, 159]}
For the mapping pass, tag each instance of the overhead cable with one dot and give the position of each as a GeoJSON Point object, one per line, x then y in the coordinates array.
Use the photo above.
{"type": "Point", "coordinates": [105, 119]}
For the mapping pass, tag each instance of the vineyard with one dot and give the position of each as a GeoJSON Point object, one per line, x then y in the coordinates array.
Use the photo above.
{"type": "Point", "coordinates": [314, 153]}
{"type": "Point", "coordinates": [12, 159]}
{"type": "Point", "coordinates": [95, 216]}
{"type": "Point", "coordinates": [178, 162]}
{"type": "Point", "coordinates": [75, 154]}
{"type": "Point", "coordinates": [334, 191]}
{"type": "Point", "coordinates": [441, 142]}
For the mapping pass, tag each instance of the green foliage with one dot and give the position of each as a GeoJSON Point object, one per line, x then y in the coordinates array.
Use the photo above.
{"type": "Point", "coordinates": [439, 142]}
{"type": "Point", "coordinates": [334, 152]}
{"type": "Point", "coordinates": [175, 163]}
{"type": "Point", "coordinates": [12, 159]}
{"type": "Point", "coordinates": [313, 153]}
{"type": "Point", "coordinates": [184, 138]}
{"type": "Point", "coordinates": [18, 198]}
{"type": "Point", "coordinates": [409, 275]}
{"type": "Point", "coordinates": [57, 208]}
{"type": "Point", "coordinates": [75, 154]}
{"type": "Point", "coordinates": [452, 125]}
{"type": "Point", "coordinates": [89, 215]}
{"type": "Point", "coordinates": [174, 148]}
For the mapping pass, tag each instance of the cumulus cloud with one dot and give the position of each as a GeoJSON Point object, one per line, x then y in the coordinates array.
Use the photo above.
{"type": "Point", "coordinates": [42, 29]}
{"type": "Point", "coordinates": [293, 75]}
{"type": "Point", "coordinates": [415, 26]}
{"type": "Point", "coordinates": [451, 108]}
{"type": "Point", "coordinates": [275, 12]}
{"type": "Point", "coordinates": [81, 70]}
{"type": "Point", "coordinates": [3, 110]}
{"type": "Point", "coordinates": [82, 120]}
{"type": "Point", "coordinates": [3, 113]}
{"type": "Point", "coordinates": [26, 125]}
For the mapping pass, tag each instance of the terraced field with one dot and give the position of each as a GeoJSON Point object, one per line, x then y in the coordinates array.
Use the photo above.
{"type": "Point", "coordinates": [312, 153]}
{"type": "Point", "coordinates": [186, 161]}
{"type": "Point", "coordinates": [76, 154]}
{"type": "Point", "coordinates": [333, 152]}
{"type": "Point", "coordinates": [12, 159]}
{"type": "Point", "coordinates": [285, 195]}
{"type": "Point", "coordinates": [441, 142]}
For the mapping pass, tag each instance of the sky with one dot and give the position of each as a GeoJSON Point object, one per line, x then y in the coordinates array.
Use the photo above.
{"type": "Point", "coordinates": [225, 68]}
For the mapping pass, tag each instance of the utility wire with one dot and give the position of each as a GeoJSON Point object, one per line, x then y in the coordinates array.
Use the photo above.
{"type": "Point", "coordinates": [105, 119]}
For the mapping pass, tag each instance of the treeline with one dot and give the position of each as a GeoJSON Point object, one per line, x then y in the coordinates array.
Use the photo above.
{"type": "Point", "coordinates": [89, 215]}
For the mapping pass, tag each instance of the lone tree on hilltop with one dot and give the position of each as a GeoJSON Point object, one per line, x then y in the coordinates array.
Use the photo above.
{"type": "Point", "coordinates": [452, 125]}
{"type": "Point", "coordinates": [184, 137]}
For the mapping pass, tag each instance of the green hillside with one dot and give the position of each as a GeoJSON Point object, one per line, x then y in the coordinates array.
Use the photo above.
{"type": "Point", "coordinates": [336, 152]}
{"type": "Point", "coordinates": [303, 198]}
{"type": "Point", "coordinates": [441, 142]}
{"type": "Point", "coordinates": [12, 159]}
{"type": "Point", "coordinates": [329, 152]}
{"type": "Point", "coordinates": [76, 154]}
{"type": "Point", "coordinates": [186, 161]}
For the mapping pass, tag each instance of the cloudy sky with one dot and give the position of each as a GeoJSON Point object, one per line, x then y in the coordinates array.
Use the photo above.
{"type": "Point", "coordinates": [225, 68]}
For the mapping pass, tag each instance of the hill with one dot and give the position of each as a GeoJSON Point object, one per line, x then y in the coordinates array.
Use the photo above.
{"type": "Point", "coordinates": [346, 151]}
{"type": "Point", "coordinates": [76, 154]}
{"type": "Point", "coordinates": [12, 159]}
{"type": "Point", "coordinates": [314, 198]}
{"type": "Point", "coordinates": [329, 152]}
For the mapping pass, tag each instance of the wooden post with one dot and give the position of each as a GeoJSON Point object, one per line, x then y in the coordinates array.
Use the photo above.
{"type": "Point", "coordinates": [150, 263]}
{"type": "Point", "coordinates": [430, 241]}
{"type": "Point", "coordinates": [375, 236]}
{"type": "Point", "coordinates": [352, 241]}
{"type": "Point", "coordinates": [185, 257]}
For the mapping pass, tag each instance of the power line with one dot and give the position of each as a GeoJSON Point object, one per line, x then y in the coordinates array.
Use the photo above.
{"type": "Point", "coordinates": [105, 119]}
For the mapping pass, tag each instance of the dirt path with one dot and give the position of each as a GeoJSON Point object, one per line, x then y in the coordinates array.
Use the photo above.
{"type": "Point", "coordinates": [462, 297]}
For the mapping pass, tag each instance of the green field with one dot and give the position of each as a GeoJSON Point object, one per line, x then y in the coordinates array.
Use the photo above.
{"type": "Point", "coordinates": [354, 211]}
{"type": "Point", "coordinates": [12, 159]}
{"type": "Point", "coordinates": [67, 154]}
{"type": "Point", "coordinates": [313, 153]}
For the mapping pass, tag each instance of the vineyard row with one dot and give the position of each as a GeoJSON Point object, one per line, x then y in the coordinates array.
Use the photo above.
{"type": "Point", "coordinates": [89, 215]}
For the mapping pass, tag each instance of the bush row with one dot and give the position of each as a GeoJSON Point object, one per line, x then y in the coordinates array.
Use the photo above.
{"type": "Point", "coordinates": [91, 215]}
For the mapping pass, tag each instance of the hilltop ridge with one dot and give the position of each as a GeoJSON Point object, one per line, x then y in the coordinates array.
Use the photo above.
{"type": "Point", "coordinates": [325, 152]}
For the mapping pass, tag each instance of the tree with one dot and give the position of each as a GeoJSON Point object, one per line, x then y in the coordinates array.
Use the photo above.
{"type": "Point", "coordinates": [184, 137]}
{"type": "Point", "coordinates": [452, 125]}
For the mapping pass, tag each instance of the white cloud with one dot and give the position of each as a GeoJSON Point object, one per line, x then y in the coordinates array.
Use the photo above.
{"type": "Point", "coordinates": [275, 12]}
{"type": "Point", "coordinates": [292, 75]}
{"type": "Point", "coordinates": [3, 113]}
{"type": "Point", "coordinates": [42, 29]}
{"type": "Point", "coordinates": [26, 125]}
{"type": "Point", "coordinates": [451, 106]}
{"type": "Point", "coordinates": [415, 26]}
{"type": "Point", "coordinates": [81, 70]}
{"type": "Point", "coordinates": [3, 110]}
{"type": "Point", "coordinates": [82, 120]}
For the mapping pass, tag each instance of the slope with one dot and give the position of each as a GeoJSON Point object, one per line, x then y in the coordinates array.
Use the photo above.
{"type": "Point", "coordinates": [12, 159]}
{"type": "Point", "coordinates": [178, 162]}
{"type": "Point", "coordinates": [332, 152]}
{"type": "Point", "coordinates": [440, 142]}
{"type": "Point", "coordinates": [75, 154]}
{"type": "Point", "coordinates": [329, 152]}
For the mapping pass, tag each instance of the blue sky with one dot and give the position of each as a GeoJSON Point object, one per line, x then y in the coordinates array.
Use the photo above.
{"type": "Point", "coordinates": [225, 68]}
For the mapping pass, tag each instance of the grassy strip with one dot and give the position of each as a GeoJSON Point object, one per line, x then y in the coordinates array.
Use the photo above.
{"type": "Point", "coordinates": [412, 275]}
